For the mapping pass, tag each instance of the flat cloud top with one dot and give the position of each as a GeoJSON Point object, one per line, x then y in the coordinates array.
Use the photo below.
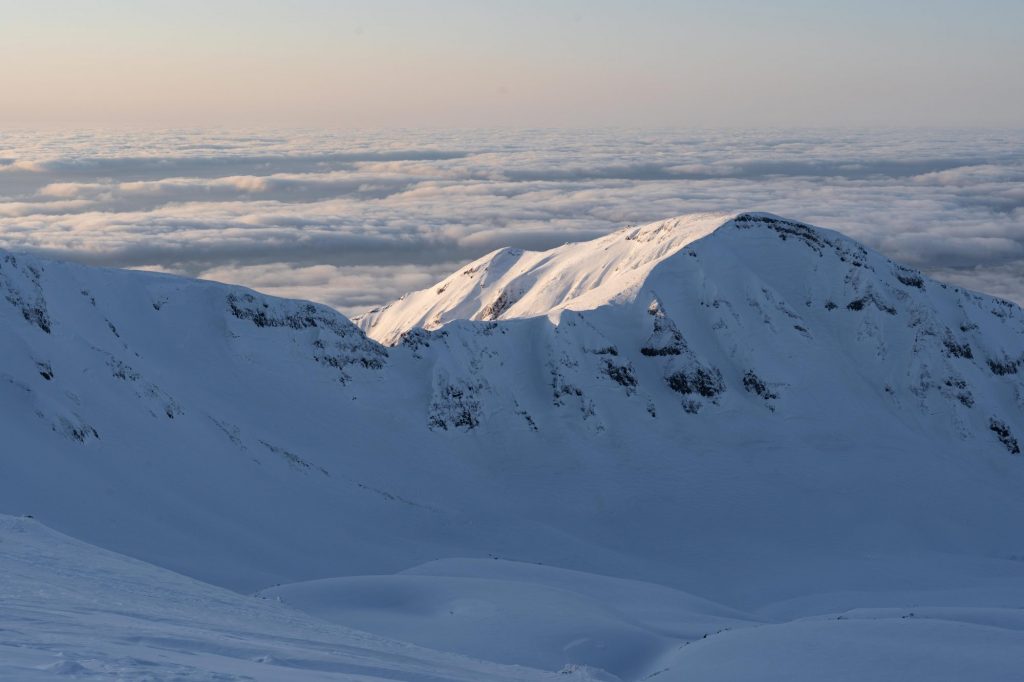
{"type": "Point", "coordinates": [356, 219]}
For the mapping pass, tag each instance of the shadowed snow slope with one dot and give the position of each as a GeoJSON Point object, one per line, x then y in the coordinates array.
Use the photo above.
{"type": "Point", "coordinates": [73, 611]}
{"type": "Point", "coordinates": [745, 408]}
{"type": "Point", "coordinates": [574, 622]}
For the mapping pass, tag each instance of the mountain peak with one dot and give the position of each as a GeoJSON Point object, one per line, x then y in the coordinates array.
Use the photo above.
{"type": "Point", "coordinates": [512, 283]}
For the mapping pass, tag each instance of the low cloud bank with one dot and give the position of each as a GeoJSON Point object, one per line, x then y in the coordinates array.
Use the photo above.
{"type": "Point", "coordinates": [356, 219]}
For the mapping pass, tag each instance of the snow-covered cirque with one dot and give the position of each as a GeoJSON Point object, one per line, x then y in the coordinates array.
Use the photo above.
{"type": "Point", "coordinates": [715, 447]}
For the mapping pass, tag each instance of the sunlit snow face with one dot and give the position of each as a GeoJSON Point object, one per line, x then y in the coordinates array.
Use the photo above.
{"type": "Point", "coordinates": [356, 219]}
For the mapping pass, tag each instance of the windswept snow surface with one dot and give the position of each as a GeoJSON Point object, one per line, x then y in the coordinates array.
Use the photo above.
{"type": "Point", "coordinates": [556, 619]}
{"type": "Point", "coordinates": [746, 409]}
{"type": "Point", "coordinates": [533, 615]}
{"type": "Point", "coordinates": [74, 611]}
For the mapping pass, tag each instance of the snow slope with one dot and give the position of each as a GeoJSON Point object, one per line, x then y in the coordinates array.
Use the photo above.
{"type": "Point", "coordinates": [569, 621]}
{"type": "Point", "coordinates": [73, 611]}
{"type": "Point", "coordinates": [749, 409]}
{"type": "Point", "coordinates": [527, 614]}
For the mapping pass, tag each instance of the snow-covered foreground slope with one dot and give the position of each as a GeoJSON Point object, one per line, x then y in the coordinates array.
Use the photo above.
{"type": "Point", "coordinates": [745, 408]}
{"type": "Point", "coordinates": [74, 611]}
{"type": "Point", "coordinates": [527, 614]}
{"type": "Point", "coordinates": [953, 626]}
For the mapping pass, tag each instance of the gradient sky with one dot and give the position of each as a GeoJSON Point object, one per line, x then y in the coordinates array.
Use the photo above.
{"type": "Point", "coordinates": [469, 63]}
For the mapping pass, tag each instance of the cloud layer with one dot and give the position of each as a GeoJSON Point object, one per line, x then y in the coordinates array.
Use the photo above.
{"type": "Point", "coordinates": [357, 219]}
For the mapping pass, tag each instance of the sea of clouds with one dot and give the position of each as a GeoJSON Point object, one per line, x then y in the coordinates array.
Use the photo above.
{"type": "Point", "coordinates": [355, 219]}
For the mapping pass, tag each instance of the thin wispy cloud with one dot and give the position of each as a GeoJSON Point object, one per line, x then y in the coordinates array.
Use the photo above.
{"type": "Point", "coordinates": [357, 219]}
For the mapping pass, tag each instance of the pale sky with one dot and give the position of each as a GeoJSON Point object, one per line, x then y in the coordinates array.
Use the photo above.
{"type": "Point", "coordinates": [474, 63]}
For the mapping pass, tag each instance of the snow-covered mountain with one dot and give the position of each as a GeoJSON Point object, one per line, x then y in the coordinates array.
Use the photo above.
{"type": "Point", "coordinates": [512, 283]}
{"type": "Point", "coordinates": [754, 304]}
{"type": "Point", "coordinates": [742, 407]}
